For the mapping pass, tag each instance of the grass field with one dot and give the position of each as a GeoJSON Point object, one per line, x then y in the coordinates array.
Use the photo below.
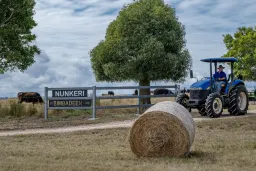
{"type": "Point", "coordinates": [223, 144]}
{"type": "Point", "coordinates": [24, 116]}
{"type": "Point", "coordinates": [14, 116]}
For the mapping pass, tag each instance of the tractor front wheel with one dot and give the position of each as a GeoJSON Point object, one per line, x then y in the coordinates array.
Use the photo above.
{"type": "Point", "coordinates": [182, 99]}
{"type": "Point", "coordinates": [238, 101]}
{"type": "Point", "coordinates": [214, 105]}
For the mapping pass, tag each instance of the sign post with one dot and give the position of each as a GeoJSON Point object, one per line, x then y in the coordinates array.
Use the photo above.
{"type": "Point", "coordinates": [45, 102]}
{"type": "Point", "coordinates": [67, 98]}
{"type": "Point", "coordinates": [93, 103]}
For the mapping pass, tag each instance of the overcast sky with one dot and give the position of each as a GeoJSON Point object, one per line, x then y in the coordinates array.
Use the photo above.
{"type": "Point", "coordinates": [68, 29]}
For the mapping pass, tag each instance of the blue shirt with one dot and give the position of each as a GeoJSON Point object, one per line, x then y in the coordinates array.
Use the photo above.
{"type": "Point", "coordinates": [219, 75]}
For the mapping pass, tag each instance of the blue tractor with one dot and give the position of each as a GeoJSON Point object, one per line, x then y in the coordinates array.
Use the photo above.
{"type": "Point", "coordinates": [210, 98]}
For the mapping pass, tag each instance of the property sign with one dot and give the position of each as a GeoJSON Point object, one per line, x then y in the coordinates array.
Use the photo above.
{"type": "Point", "coordinates": [69, 93]}
{"type": "Point", "coordinates": [70, 103]}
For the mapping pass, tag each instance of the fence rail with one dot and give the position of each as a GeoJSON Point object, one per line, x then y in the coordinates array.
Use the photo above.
{"type": "Point", "coordinates": [94, 97]}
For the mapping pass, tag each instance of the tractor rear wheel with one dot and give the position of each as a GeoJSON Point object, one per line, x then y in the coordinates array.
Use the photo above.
{"type": "Point", "coordinates": [238, 101]}
{"type": "Point", "coordinates": [202, 111]}
{"type": "Point", "coordinates": [214, 105]}
{"type": "Point", "coordinates": [182, 99]}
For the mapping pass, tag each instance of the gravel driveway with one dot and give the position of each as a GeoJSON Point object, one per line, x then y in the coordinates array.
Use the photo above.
{"type": "Point", "coordinates": [119, 124]}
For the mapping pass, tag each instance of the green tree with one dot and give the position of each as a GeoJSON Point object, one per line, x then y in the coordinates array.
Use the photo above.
{"type": "Point", "coordinates": [243, 46]}
{"type": "Point", "coordinates": [16, 23]}
{"type": "Point", "coordinates": [145, 43]}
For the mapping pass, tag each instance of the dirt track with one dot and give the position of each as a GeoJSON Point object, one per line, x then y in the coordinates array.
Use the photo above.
{"type": "Point", "coordinates": [120, 124]}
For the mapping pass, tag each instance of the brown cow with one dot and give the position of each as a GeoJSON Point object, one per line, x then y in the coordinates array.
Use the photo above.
{"type": "Point", "coordinates": [30, 97]}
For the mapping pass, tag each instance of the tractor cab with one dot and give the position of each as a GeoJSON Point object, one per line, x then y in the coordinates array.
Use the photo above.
{"type": "Point", "coordinates": [214, 85]}
{"type": "Point", "coordinates": [211, 95]}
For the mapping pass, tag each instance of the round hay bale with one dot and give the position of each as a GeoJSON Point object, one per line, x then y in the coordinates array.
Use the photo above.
{"type": "Point", "coordinates": [165, 129]}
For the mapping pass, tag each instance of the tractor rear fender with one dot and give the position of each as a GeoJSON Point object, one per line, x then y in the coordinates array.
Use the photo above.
{"type": "Point", "coordinates": [233, 84]}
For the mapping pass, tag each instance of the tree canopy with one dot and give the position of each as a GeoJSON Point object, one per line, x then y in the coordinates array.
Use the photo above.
{"type": "Point", "coordinates": [146, 42]}
{"type": "Point", "coordinates": [16, 23]}
{"type": "Point", "coordinates": [243, 46]}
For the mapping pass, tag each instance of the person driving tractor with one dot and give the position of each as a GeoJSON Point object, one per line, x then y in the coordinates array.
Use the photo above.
{"type": "Point", "coordinates": [220, 76]}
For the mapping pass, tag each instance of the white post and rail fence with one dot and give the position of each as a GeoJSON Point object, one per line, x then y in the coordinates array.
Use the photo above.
{"type": "Point", "coordinates": [77, 98]}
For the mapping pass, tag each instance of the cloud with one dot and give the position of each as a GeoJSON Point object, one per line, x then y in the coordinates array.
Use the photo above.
{"type": "Point", "coordinates": [68, 29]}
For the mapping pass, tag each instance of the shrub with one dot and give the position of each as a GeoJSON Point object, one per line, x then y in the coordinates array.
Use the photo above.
{"type": "Point", "coordinates": [4, 111]}
{"type": "Point", "coordinates": [31, 111]}
{"type": "Point", "coordinates": [98, 102]}
{"type": "Point", "coordinates": [57, 112]}
{"type": "Point", "coordinates": [16, 110]}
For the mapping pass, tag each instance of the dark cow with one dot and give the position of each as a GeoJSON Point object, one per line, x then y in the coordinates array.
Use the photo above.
{"type": "Point", "coordinates": [160, 91]}
{"type": "Point", "coordinates": [240, 77]}
{"type": "Point", "coordinates": [111, 93]}
{"type": "Point", "coordinates": [185, 91]}
{"type": "Point", "coordinates": [30, 97]}
{"type": "Point", "coordinates": [135, 92]}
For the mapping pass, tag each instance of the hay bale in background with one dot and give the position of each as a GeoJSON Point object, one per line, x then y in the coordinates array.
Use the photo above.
{"type": "Point", "coordinates": [165, 129]}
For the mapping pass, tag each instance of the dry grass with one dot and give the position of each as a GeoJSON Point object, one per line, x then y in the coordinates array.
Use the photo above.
{"type": "Point", "coordinates": [27, 116]}
{"type": "Point", "coordinates": [252, 106]}
{"type": "Point", "coordinates": [106, 102]}
{"type": "Point", "coordinates": [102, 102]}
{"type": "Point", "coordinates": [219, 145]}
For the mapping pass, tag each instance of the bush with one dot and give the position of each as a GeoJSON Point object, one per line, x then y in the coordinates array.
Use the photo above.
{"type": "Point", "coordinates": [56, 112]}
{"type": "Point", "coordinates": [98, 102]}
{"type": "Point", "coordinates": [16, 110]}
{"type": "Point", "coordinates": [31, 111]}
{"type": "Point", "coordinates": [4, 111]}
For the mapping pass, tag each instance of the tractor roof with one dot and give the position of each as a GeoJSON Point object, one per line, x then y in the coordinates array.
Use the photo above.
{"type": "Point", "coordinates": [230, 59]}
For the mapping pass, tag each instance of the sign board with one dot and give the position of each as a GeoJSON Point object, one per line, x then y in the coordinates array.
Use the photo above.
{"type": "Point", "coordinates": [69, 93]}
{"type": "Point", "coordinates": [70, 103]}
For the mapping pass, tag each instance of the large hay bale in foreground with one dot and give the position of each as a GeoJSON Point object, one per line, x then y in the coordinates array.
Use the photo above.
{"type": "Point", "coordinates": [165, 129]}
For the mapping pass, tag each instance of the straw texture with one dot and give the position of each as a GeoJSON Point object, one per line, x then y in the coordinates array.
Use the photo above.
{"type": "Point", "coordinates": [165, 129]}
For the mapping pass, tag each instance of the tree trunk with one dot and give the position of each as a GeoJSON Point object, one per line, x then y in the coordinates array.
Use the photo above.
{"type": "Point", "coordinates": [144, 92]}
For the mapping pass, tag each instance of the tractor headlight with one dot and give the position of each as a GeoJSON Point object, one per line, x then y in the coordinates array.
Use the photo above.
{"type": "Point", "coordinates": [208, 88]}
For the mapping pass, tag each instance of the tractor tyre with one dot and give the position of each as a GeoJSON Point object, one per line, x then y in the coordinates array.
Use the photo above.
{"type": "Point", "coordinates": [238, 101]}
{"type": "Point", "coordinates": [202, 111]}
{"type": "Point", "coordinates": [214, 105]}
{"type": "Point", "coordinates": [182, 99]}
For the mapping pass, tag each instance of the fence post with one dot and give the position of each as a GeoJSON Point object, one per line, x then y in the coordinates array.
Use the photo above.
{"type": "Point", "coordinates": [45, 102]}
{"type": "Point", "coordinates": [94, 103]}
{"type": "Point", "coordinates": [138, 110]}
{"type": "Point", "coordinates": [178, 89]}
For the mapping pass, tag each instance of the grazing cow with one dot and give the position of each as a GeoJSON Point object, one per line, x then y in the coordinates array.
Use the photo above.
{"type": "Point", "coordinates": [185, 91]}
{"type": "Point", "coordinates": [30, 97]}
{"type": "Point", "coordinates": [111, 93]}
{"type": "Point", "coordinates": [136, 92]}
{"type": "Point", "coordinates": [240, 77]}
{"type": "Point", "coordinates": [162, 91]}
